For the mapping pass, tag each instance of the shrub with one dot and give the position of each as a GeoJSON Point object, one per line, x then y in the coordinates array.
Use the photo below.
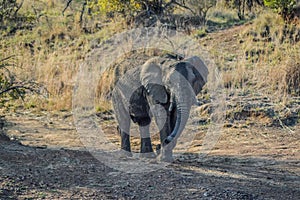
{"type": "Point", "coordinates": [8, 8]}
{"type": "Point", "coordinates": [292, 78]}
{"type": "Point", "coordinates": [201, 7]}
{"type": "Point", "coordinates": [114, 6]}
{"type": "Point", "coordinates": [10, 86]}
{"type": "Point", "coordinates": [282, 7]}
{"type": "Point", "coordinates": [242, 5]}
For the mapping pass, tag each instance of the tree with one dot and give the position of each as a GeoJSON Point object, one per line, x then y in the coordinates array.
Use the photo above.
{"type": "Point", "coordinates": [282, 7]}
{"type": "Point", "coordinates": [200, 7]}
{"type": "Point", "coordinates": [128, 8]}
{"type": "Point", "coordinates": [125, 8]}
{"type": "Point", "coordinates": [242, 5]}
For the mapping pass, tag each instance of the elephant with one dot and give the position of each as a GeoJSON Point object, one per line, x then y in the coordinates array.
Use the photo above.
{"type": "Point", "coordinates": [163, 88]}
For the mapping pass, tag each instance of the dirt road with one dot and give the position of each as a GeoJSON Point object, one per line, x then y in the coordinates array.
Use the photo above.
{"type": "Point", "coordinates": [51, 163]}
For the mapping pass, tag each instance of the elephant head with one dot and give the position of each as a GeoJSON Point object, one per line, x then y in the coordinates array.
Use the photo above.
{"type": "Point", "coordinates": [174, 84]}
{"type": "Point", "coordinates": [185, 81]}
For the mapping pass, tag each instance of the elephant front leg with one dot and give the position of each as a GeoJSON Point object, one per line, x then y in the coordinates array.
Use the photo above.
{"type": "Point", "coordinates": [166, 154]}
{"type": "Point", "coordinates": [163, 122]}
{"type": "Point", "coordinates": [166, 151]}
{"type": "Point", "coordinates": [146, 150]}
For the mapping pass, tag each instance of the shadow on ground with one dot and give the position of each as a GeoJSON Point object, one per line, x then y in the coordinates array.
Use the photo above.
{"type": "Point", "coordinates": [32, 172]}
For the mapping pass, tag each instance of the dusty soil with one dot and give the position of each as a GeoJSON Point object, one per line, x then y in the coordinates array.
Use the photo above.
{"type": "Point", "coordinates": [256, 157]}
{"type": "Point", "coordinates": [43, 158]}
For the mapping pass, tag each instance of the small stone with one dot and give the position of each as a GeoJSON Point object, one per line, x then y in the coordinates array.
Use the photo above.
{"type": "Point", "coordinates": [206, 194]}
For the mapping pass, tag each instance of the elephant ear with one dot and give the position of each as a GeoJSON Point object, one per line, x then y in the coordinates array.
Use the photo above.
{"type": "Point", "coordinates": [199, 66]}
{"type": "Point", "coordinates": [151, 79]}
{"type": "Point", "coordinates": [200, 73]}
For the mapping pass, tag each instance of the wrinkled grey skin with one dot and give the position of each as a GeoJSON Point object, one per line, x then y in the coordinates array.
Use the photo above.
{"type": "Point", "coordinates": [169, 87]}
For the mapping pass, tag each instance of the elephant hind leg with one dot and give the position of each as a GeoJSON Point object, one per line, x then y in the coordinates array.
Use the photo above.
{"type": "Point", "coordinates": [165, 152]}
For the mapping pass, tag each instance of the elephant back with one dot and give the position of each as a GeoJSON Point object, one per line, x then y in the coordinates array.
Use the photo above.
{"type": "Point", "coordinates": [122, 65]}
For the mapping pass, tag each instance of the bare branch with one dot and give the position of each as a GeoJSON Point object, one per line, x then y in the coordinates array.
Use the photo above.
{"type": "Point", "coordinates": [82, 11]}
{"type": "Point", "coordinates": [16, 87]}
{"type": "Point", "coordinates": [180, 5]}
{"type": "Point", "coordinates": [7, 58]}
{"type": "Point", "coordinates": [67, 6]}
{"type": "Point", "coordinates": [19, 7]}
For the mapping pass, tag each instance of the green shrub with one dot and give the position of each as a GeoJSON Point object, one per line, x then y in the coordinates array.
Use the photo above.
{"type": "Point", "coordinates": [110, 7]}
{"type": "Point", "coordinates": [200, 33]}
{"type": "Point", "coordinates": [8, 8]}
{"type": "Point", "coordinates": [282, 7]}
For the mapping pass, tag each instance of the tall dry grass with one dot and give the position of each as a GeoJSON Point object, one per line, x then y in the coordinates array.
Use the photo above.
{"type": "Point", "coordinates": [266, 61]}
{"type": "Point", "coordinates": [52, 50]}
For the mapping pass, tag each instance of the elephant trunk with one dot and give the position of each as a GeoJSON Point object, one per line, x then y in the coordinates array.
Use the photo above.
{"type": "Point", "coordinates": [184, 96]}
{"type": "Point", "coordinates": [183, 106]}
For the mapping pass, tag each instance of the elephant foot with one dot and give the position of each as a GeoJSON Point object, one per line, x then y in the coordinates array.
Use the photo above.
{"type": "Point", "coordinates": [124, 154]}
{"type": "Point", "coordinates": [148, 155]}
{"type": "Point", "coordinates": [168, 159]}
{"type": "Point", "coordinates": [166, 156]}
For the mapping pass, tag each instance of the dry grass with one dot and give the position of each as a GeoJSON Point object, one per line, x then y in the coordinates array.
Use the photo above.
{"type": "Point", "coordinates": [277, 62]}
{"type": "Point", "coordinates": [259, 57]}
{"type": "Point", "coordinates": [265, 58]}
{"type": "Point", "coordinates": [52, 51]}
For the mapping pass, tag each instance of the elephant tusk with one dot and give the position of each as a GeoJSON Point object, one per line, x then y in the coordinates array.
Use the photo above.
{"type": "Point", "coordinates": [171, 106]}
{"type": "Point", "coordinates": [172, 103]}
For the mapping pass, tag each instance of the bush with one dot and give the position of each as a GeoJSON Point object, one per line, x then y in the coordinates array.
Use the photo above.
{"type": "Point", "coordinates": [108, 7]}
{"type": "Point", "coordinates": [242, 5]}
{"type": "Point", "coordinates": [11, 87]}
{"type": "Point", "coordinates": [8, 9]}
{"type": "Point", "coordinates": [292, 77]}
{"type": "Point", "coordinates": [201, 7]}
{"type": "Point", "coordinates": [282, 7]}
